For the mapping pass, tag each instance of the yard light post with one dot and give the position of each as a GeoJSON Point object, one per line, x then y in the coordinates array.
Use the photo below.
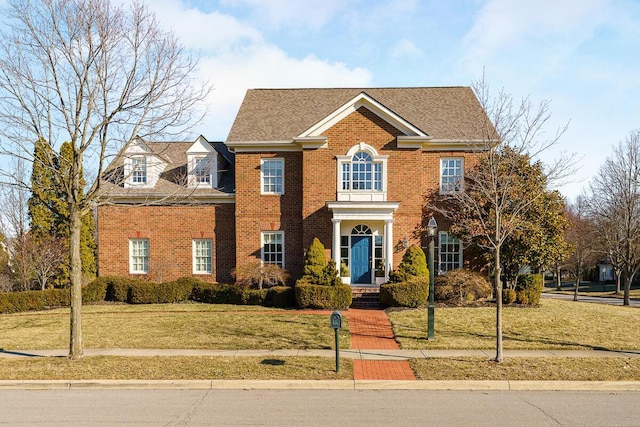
{"type": "Point", "coordinates": [432, 227]}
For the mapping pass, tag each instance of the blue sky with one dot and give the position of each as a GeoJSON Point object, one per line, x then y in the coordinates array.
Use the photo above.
{"type": "Point", "coordinates": [583, 56]}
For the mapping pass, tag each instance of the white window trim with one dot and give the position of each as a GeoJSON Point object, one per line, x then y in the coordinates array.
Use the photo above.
{"type": "Point", "coordinates": [442, 235]}
{"type": "Point", "coordinates": [442, 159]}
{"type": "Point", "coordinates": [130, 170]}
{"type": "Point", "coordinates": [131, 263]}
{"type": "Point", "coordinates": [193, 177]}
{"type": "Point", "coordinates": [271, 159]}
{"type": "Point", "coordinates": [262, 243]}
{"type": "Point", "coordinates": [375, 158]}
{"type": "Point", "coordinates": [194, 256]}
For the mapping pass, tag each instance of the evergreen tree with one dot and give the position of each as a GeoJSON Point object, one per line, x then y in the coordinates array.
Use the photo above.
{"type": "Point", "coordinates": [48, 210]}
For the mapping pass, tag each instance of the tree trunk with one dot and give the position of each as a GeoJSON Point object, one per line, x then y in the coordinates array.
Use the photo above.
{"type": "Point", "coordinates": [498, 286]}
{"type": "Point", "coordinates": [627, 288]}
{"type": "Point", "coordinates": [575, 291]}
{"type": "Point", "coordinates": [558, 278]}
{"type": "Point", "coordinates": [618, 282]}
{"type": "Point", "coordinates": [75, 227]}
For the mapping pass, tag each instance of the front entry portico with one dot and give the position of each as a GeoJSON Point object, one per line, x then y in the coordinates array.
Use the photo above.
{"type": "Point", "coordinates": [363, 238]}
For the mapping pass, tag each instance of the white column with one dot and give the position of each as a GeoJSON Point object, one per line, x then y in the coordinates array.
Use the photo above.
{"type": "Point", "coordinates": [388, 247]}
{"type": "Point", "coordinates": [335, 250]}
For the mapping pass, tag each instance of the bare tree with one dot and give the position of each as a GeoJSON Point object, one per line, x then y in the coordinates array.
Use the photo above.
{"type": "Point", "coordinates": [47, 260]}
{"type": "Point", "coordinates": [581, 236]}
{"type": "Point", "coordinates": [615, 200]}
{"type": "Point", "coordinates": [14, 216]}
{"type": "Point", "coordinates": [94, 75]}
{"type": "Point", "coordinates": [496, 196]}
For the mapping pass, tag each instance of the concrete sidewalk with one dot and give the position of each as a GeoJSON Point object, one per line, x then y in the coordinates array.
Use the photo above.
{"type": "Point", "coordinates": [356, 354]}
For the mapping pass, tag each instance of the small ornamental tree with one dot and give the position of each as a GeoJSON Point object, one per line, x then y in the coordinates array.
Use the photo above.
{"type": "Point", "coordinates": [413, 264]}
{"type": "Point", "coordinates": [315, 262]}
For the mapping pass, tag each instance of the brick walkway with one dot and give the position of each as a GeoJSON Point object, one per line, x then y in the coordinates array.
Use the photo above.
{"type": "Point", "coordinates": [371, 330]}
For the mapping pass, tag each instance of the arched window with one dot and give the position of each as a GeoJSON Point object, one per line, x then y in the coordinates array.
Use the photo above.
{"type": "Point", "coordinates": [362, 173]}
{"type": "Point", "coordinates": [361, 229]}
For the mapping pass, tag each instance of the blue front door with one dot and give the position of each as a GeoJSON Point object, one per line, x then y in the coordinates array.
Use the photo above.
{"type": "Point", "coordinates": [361, 259]}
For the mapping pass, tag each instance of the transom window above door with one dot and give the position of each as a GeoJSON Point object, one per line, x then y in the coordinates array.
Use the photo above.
{"type": "Point", "coordinates": [362, 174]}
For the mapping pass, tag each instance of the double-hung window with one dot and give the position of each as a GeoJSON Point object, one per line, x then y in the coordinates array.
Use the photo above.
{"type": "Point", "coordinates": [201, 170]}
{"type": "Point", "coordinates": [450, 252]}
{"type": "Point", "coordinates": [272, 176]}
{"type": "Point", "coordinates": [139, 256]}
{"type": "Point", "coordinates": [202, 252]}
{"type": "Point", "coordinates": [451, 176]}
{"type": "Point", "coordinates": [273, 248]}
{"type": "Point", "coordinates": [139, 170]}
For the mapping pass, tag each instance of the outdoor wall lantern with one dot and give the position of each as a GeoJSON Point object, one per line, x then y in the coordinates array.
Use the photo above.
{"type": "Point", "coordinates": [432, 228]}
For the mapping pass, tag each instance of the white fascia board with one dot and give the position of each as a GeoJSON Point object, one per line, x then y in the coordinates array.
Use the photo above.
{"type": "Point", "coordinates": [200, 146]}
{"type": "Point", "coordinates": [312, 142]}
{"type": "Point", "coordinates": [365, 211]}
{"type": "Point", "coordinates": [455, 145]}
{"type": "Point", "coordinates": [262, 146]}
{"type": "Point", "coordinates": [363, 100]}
{"type": "Point", "coordinates": [168, 199]}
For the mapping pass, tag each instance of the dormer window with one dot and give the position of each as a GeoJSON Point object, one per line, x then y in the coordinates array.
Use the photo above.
{"type": "Point", "coordinates": [202, 170]}
{"type": "Point", "coordinates": [139, 170]}
{"type": "Point", "coordinates": [362, 174]}
{"type": "Point", "coordinates": [202, 164]}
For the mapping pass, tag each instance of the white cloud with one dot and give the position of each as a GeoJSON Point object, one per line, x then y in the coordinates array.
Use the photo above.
{"type": "Point", "coordinates": [235, 57]}
{"type": "Point", "coordinates": [405, 48]}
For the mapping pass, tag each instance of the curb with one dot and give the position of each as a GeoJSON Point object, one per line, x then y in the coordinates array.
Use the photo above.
{"type": "Point", "coordinates": [321, 385]}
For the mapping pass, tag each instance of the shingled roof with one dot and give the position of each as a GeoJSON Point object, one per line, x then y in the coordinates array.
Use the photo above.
{"type": "Point", "coordinates": [282, 114]}
{"type": "Point", "coordinates": [171, 184]}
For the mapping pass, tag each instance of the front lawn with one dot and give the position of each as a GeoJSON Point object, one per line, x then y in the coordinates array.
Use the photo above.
{"type": "Point", "coordinates": [189, 326]}
{"type": "Point", "coordinates": [559, 325]}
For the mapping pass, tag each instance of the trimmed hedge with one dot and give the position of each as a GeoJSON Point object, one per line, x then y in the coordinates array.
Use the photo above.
{"type": "Point", "coordinates": [136, 291]}
{"type": "Point", "coordinates": [322, 297]}
{"type": "Point", "coordinates": [529, 289]}
{"type": "Point", "coordinates": [411, 293]}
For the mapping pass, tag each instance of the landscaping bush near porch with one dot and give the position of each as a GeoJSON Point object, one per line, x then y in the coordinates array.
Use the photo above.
{"type": "Point", "coordinates": [136, 291]}
{"type": "Point", "coordinates": [410, 293]}
{"type": "Point", "coordinates": [309, 295]}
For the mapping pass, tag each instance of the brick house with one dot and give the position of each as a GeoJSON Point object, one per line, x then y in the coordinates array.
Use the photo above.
{"type": "Point", "coordinates": [349, 166]}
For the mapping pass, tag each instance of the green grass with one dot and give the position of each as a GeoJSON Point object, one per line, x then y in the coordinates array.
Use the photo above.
{"type": "Point", "coordinates": [554, 325]}
{"type": "Point", "coordinates": [560, 325]}
{"type": "Point", "coordinates": [528, 369]}
{"type": "Point", "coordinates": [166, 326]}
{"type": "Point", "coordinates": [175, 368]}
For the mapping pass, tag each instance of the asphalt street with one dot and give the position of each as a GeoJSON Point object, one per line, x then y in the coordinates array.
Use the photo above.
{"type": "Point", "coordinates": [317, 408]}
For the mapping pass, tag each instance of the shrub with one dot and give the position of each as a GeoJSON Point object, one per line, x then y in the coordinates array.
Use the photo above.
{"type": "Point", "coordinates": [411, 293]}
{"type": "Point", "coordinates": [344, 270]}
{"type": "Point", "coordinates": [310, 295]}
{"type": "Point", "coordinates": [57, 297]}
{"type": "Point", "coordinates": [461, 285]}
{"type": "Point", "coordinates": [529, 289]}
{"type": "Point", "coordinates": [508, 296]}
{"type": "Point", "coordinates": [96, 291]}
{"type": "Point", "coordinates": [413, 264]}
{"type": "Point", "coordinates": [315, 262]}
{"type": "Point", "coordinates": [280, 296]}
{"type": "Point", "coordinates": [258, 275]}
{"type": "Point", "coordinates": [118, 288]}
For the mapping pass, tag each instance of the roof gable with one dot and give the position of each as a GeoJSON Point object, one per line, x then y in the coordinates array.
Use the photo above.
{"type": "Point", "coordinates": [279, 116]}
{"type": "Point", "coordinates": [200, 146]}
{"type": "Point", "coordinates": [366, 101]}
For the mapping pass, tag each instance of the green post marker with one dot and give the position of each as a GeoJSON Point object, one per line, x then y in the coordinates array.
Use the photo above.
{"type": "Point", "coordinates": [336, 324]}
{"type": "Point", "coordinates": [432, 228]}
